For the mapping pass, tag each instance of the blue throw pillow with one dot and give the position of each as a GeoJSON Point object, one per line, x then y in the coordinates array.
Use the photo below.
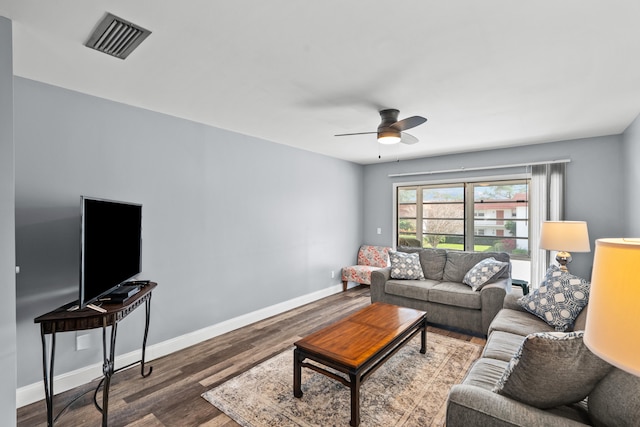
{"type": "Point", "coordinates": [559, 299]}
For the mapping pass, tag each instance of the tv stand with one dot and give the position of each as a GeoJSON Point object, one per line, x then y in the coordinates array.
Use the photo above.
{"type": "Point", "coordinates": [64, 320]}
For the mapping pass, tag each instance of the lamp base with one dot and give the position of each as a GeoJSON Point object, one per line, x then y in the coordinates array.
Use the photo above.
{"type": "Point", "coordinates": [563, 258]}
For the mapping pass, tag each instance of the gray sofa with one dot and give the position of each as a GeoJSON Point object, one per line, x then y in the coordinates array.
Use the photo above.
{"type": "Point", "coordinates": [442, 294]}
{"type": "Point", "coordinates": [615, 400]}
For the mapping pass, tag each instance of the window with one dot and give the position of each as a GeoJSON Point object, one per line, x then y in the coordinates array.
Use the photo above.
{"type": "Point", "coordinates": [479, 216]}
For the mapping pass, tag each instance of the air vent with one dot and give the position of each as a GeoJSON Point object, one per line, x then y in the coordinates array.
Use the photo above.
{"type": "Point", "coordinates": [116, 37]}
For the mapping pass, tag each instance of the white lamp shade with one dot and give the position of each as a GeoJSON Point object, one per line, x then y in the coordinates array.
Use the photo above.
{"type": "Point", "coordinates": [569, 236]}
{"type": "Point", "coordinates": [612, 331]}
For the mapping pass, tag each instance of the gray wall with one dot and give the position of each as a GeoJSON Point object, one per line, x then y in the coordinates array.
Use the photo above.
{"type": "Point", "coordinates": [7, 232]}
{"type": "Point", "coordinates": [232, 223]}
{"type": "Point", "coordinates": [594, 179]}
{"type": "Point", "coordinates": [631, 154]}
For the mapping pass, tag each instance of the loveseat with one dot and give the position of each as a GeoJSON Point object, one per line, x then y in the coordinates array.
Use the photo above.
{"type": "Point", "coordinates": [550, 376]}
{"type": "Point", "coordinates": [437, 287]}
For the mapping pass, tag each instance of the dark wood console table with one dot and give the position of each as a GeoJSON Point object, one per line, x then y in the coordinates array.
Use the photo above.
{"type": "Point", "coordinates": [62, 320]}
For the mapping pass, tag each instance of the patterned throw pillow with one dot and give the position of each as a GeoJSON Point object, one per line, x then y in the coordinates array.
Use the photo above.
{"type": "Point", "coordinates": [405, 266]}
{"type": "Point", "coordinates": [552, 369]}
{"type": "Point", "coordinates": [559, 299]}
{"type": "Point", "coordinates": [482, 273]}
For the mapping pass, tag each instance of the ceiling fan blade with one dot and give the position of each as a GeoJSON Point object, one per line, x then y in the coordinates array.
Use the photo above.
{"type": "Point", "coordinates": [409, 122]}
{"type": "Point", "coordinates": [408, 139]}
{"type": "Point", "coordinates": [357, 133]}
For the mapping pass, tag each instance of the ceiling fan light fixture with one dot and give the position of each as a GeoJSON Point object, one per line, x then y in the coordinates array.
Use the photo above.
{"type": "Point", "coordinates": [388, 137]}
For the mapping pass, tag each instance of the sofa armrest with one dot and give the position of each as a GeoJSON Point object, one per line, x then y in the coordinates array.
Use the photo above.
{"type": "Point", "coordinates": [469, 405]}
{"type": "Point", "coordinates": [492, 298]}
{"type": "Point", "coordinates": [378, 280]}
{"type": "Point", "coordinates": [511, 302]}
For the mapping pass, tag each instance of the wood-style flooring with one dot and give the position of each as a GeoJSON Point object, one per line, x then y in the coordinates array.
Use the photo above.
{"type": "Point", "coordinates": [170, 396]}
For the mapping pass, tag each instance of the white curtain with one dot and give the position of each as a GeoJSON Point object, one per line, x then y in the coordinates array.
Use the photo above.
{"type": "Point", "coordinates": [546, 198]}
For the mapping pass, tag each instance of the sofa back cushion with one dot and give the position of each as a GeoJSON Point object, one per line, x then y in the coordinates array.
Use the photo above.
{"type": "Point", "coordinates": [615, 401]}
{"type": "Point", "coordinates": [433, 261]}
{"type": "Point", "coordinates": [581, 320]}
{"type": "Point", "coordinates": [459, 262]}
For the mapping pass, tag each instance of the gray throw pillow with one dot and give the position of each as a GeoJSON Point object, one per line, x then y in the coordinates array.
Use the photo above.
{"type": "Point", "coordinates": [559, 299]}
{"type": "Point", "coordinates": [483, 272]}
{"type": "Point", "coordinates": [552, 369]}
{"type": "Point", "coordinates": [405, 265]}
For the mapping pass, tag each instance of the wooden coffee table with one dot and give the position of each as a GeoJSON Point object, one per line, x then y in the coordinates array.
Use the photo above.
{"type": "Point", "coordinates": [358, 345]}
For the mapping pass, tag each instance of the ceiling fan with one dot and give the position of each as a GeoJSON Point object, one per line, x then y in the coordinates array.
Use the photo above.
{"type": "Point", "coordinates": [391, 130]}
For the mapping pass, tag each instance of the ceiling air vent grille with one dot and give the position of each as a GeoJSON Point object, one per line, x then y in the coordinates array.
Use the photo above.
{"type": "Point", "coordinates": [116, 37]}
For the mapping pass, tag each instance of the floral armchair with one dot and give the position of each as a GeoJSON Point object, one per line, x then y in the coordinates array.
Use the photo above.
{"type": "Point", "coordinates": [370, 258]}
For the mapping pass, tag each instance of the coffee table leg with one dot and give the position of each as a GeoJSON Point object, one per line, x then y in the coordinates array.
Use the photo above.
{"type": "Point", "coordinates": [423, 333]}
{"type": "Point", "coordinates": [354, 381]}
{"type": "Point", "coordinates": [297, 373]}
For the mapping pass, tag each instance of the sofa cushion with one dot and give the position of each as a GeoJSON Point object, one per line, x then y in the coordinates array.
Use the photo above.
{"type": "Point", "coordinates": [433, 261]}
{"type": "Point", "coordinates": [559, 299]}
{"type": "Point", "coordinates": [518, 322]}
{"type": "Point", "coordinates": [502, 345]}
{"type": "Point", "coordinates": [552, 369]}
{"type": "Point", "coordinates": [484, 373]}
{"type": "Point", "coordinates": [615, 401]}
{"type": "Point", "coordinates": [483, 272]}
{"type": "Point", "coordinates": [415, 289]}
{"type": "Point", "coordinates": [405, 265]}
{"type": "Point", "coordinates": [459, 262]}
{"type": "Point", "coordinates": [456, 294]}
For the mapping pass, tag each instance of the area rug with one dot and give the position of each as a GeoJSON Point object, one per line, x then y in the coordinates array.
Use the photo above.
{"type": "Point", "coordinates": [410, 389]}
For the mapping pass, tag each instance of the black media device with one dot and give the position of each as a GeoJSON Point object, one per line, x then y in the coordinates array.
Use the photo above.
{"type": "Point", "coordinates": [111, 247]}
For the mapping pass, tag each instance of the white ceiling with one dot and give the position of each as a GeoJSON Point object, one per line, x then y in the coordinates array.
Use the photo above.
{"type": "Point", "coordinates": [486, 74]}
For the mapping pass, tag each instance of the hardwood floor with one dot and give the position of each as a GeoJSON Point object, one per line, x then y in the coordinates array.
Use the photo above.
{"type": "Point", "coordinates": [170, 396]}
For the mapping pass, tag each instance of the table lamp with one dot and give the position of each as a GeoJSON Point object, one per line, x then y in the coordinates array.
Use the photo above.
{"type": "Point", "coordinates": [564, 237]}
{"type": "Point", "coordinates": [612, 330]}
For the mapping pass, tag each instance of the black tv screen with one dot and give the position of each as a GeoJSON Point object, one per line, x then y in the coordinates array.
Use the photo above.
{"type": "Point", "coordinates": [111, 246]}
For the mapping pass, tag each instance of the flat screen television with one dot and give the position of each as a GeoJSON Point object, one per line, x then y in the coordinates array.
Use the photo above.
{"type": "Point", "coordinates": [111, 246]}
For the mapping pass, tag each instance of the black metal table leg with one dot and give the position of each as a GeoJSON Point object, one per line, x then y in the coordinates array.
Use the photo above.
{"type": "Point", "coordinates": [144, 340]}
{"type": "Point", "coordinates": [108, 370]}
{"type": "Point", "coordinates": [47, 372]}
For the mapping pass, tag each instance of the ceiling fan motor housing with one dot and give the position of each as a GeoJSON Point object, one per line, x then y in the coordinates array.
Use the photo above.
{"type": "Point", "coordinates": [386, 129]}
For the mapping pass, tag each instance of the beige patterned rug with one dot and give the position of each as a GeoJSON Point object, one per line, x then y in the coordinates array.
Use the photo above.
{"type": "Point", "coordinates": [410, 389]}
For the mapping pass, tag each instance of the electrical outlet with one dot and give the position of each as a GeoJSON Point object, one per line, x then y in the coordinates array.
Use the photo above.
{"type": "Point", "coordinates": [379, 230]}
{"type": "Point", "coordinates": [333, 274]}
{"type": "Point", "coordinates": [83, 342]}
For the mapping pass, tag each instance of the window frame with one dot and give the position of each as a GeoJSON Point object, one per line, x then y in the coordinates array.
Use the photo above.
{"type": "Point", "coordinates": [469, 220]}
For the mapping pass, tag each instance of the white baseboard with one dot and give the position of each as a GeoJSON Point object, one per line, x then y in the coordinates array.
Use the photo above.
{"type": "Point", "coordinates": [66, 381]}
